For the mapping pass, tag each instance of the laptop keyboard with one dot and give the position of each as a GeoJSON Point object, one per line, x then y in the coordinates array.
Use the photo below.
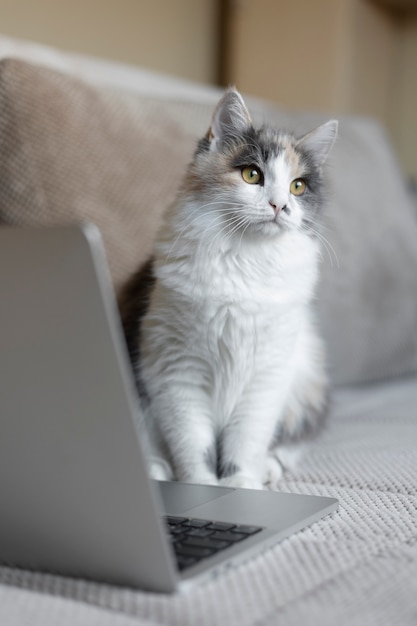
{"type": "Point", "coordinates": [197, 539]}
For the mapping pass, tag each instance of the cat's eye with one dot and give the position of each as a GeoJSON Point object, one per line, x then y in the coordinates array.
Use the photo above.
{"type": "Point", "coordinates": [252, 175]}
{"type": "Point", "coordinates": [298, 187]}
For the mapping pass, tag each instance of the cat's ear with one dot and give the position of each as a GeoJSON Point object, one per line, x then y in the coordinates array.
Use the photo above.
{"type": "Point", "coordinates": [319, 141]}
{"type": "Point", "coordinates": [230, 118]}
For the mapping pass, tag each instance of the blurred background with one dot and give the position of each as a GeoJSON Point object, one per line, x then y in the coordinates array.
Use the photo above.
{"type": "Point", "coordinates": [334, 56]}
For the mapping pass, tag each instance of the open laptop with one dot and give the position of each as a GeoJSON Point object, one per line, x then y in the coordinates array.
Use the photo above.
{"type": "Point", "coordinates": [74, 491]}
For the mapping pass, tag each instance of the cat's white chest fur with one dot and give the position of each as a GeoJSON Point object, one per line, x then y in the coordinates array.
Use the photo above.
{"type": "Point", "coordinates": [219, 341]}
{"type": "Point", "coordinates": [231, 318]}
{"type": "Point", "coordinates": [242, 345]}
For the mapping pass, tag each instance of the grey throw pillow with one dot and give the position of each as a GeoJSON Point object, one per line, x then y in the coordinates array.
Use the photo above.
{"type": "Point", "coordinates": [368, 299]}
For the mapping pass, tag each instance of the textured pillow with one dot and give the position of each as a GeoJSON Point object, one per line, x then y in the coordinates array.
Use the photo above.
{"type": "Point", "coordinates": [71, 152]}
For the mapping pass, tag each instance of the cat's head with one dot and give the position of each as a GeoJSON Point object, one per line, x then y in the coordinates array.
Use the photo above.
{"type": "Point", "coordinates": [257, 180]}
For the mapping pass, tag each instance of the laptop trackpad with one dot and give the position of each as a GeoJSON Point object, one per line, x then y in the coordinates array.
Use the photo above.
{"type": "Point", "coordinates": [178, 498]}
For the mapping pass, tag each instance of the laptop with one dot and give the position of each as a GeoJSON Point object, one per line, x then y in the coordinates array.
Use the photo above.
{"type": "Point", "coordinates": [76, 498]}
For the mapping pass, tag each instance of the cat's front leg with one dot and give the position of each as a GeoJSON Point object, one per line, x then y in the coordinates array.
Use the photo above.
{"type": "Point", "coordinates": [186, 428]}
{"type": "Point", "coordinates": [248, 453]}
{"type": "Point", "coordinates": [306, 407]}
{"type": "Point", "coordinates": [245, 441]}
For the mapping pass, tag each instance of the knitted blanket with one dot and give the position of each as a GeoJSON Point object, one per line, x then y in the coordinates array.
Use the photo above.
{"type": "Point", "coordinates": [357, 566]}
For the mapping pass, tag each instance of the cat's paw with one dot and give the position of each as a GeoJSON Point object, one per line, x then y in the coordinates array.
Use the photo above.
{"type": "Point", "coordinates": [197, 477]}
{"type": "Point", "coordinates": [273, 472]}
{"type": "Point", "coordinates": [240, 481]}
{"type": "Point", "coordinates": [159, 469]}
{"type": "Point", "coordinates": [204, 481]}
{"type": "Point", "coordinates": [278, 462]}
{"type": "Point", "coordinates": [290, 456]}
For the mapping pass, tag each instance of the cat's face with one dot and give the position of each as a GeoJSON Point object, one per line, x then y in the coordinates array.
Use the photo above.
{"type": "Point", "coordinates": [267, 183]}
{"type": "Point", "coordinates": [257, 181]}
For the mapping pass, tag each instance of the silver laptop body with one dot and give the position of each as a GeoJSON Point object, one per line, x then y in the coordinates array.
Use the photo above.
{"type": "Point", "coordinates": [74, 491]}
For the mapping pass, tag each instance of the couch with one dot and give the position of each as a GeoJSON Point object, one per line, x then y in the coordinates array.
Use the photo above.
{"type": "Point", "coordinates": [82, 139]}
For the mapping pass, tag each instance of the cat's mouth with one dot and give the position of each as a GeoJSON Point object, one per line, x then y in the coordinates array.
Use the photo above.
{"type": "Point", "coordinates": [272, 226]}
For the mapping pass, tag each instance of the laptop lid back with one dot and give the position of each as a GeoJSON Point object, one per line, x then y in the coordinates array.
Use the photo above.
{"type": "Point", "coordinates": [74, 491]}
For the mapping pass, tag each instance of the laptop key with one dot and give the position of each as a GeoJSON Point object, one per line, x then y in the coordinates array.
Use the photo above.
{"type": "Point", "coordinates": [197, 532]}
{"type": "Point", "coordinates": [196, 523]}
{"type": "Point", "coordinates": [185, 561]}
{"type": "Point", "coordinates": [175, 520]}
{"type": "Point", "coordinates": [246, 530]}
{"type": "Point", "coordinates": [222, 526]}
{"type": "Point", "coordinates": [214, 544]}
{"type": "Point", "coordinates": [194, 551]}
{"type": "Point", "coordinates": [177, 530]}
{"type": "Point", "coordinates": [231, 537]}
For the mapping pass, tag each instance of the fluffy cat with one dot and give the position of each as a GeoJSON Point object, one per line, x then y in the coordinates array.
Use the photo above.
{"type": "Point", "coordinates": [219, 323]}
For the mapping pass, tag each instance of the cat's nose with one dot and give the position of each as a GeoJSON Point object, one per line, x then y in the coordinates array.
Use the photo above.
{"type": "Point", "coordinates": [276, 207]}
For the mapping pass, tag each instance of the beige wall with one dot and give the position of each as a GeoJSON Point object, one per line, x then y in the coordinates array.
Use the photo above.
{"type": "Point", "coordinates": [405, 97]}
{"type": "Point", "coordinates": [172, 36]}
{"type": "Point", "coordinates": [321, 54]}
{"type": "Point", "coordinates": [374, 36]}
{"type": "Point", "coordinates": [335, 56]}
{"type": "Point", "coordinates": [280, 50]}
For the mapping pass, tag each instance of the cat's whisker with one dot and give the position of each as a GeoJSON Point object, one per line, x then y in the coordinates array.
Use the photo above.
{"type": "Point", "coordinates": [218, 218]}
{"type": "Point", "coordinates": [223, 202]}
{"type": "Point", "coordinates": [230, 227]}
{"type": "Point", "coordinates": [245, 223]}
{"type": "Point", "coordinates": [226, 224]}
{"type": "Point", "coordinates": [221, 220]}
{"type": "Point", "coordinates": [237, 227]}
{"type": "Point", "coordinates": [331, 252]}
{"type": "Point", "coordinates": [228, 230]}
{"type": "Point", "coordinates": [312, 231]}
{"type": "Point", "coordinates": [188, 221]}
{"type": "Point", "coordinates": [242, 235]}
{"type": "Point", "coordinates": [329, 248]}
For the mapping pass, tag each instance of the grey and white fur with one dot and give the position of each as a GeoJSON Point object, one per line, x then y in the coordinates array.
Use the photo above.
{"type": "Point", "coordinates": [230, 367]}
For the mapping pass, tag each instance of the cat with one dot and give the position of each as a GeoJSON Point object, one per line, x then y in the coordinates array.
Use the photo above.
{"type": "Point", "coordinates": [220, 328]}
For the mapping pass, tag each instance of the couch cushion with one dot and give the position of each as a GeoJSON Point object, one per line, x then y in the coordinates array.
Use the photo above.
{"type": "Point", "coordinates": [71, 152]}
